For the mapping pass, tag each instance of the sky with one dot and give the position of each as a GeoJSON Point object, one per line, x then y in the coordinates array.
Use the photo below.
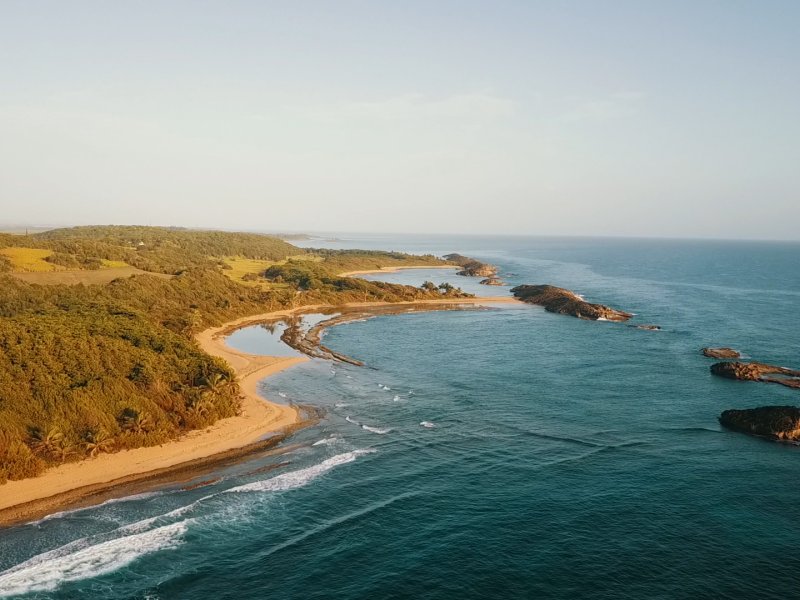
{"type": "Point", "coordinates": [618, 118]}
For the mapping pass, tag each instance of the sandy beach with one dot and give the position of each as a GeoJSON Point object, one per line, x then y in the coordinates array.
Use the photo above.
{"type": "Point", "coordinates": [73, 483]}
{"type": "Point", "coordinates": [396, 269]}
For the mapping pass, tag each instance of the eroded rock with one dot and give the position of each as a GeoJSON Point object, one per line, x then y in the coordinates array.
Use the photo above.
{"type": "Point", "coordinates": [754, 371]}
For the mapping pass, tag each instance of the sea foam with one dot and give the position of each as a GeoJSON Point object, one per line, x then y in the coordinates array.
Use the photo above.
{"type": "Point", "coordinates": [378, 430]}
{"type": "Point", "coordinates": [47, 571]}
{"type": "Point", "coordinates": [301, 477]}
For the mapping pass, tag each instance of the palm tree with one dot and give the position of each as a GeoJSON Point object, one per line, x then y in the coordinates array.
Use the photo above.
{"type": "Point", "coordinates": [134, 421]}
{"type": "Point", "coordinates": [428, 286]}
{"type": "Point", "coordinates": [96, 441]}
{"type": "Point", "coordinates": [46, 443]}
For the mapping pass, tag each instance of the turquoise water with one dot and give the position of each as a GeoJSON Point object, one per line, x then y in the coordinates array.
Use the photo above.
{"type": "Point", "coordinates": [561, 458]}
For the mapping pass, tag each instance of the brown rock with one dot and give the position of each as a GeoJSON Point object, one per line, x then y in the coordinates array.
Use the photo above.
{"type": "Point", "coordinates": [721, 353]}
{"type": "Point", "coordinates": [561, 301]}
{"type": "Point", "coordinates": [492, 281]}
{"type": "Point", "coordinates": [757, 372]}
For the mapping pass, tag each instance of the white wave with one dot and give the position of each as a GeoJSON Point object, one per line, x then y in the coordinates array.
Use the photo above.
{"type": "Point", "coordinates": [47, 571]}
{"type": "Point", "coordinates": [64, 513]}
{"type": "Point", "coordinates": [427, 424]}
{"type": "Point", "coordinates": [601, 319]}
{"type": "Point", "coordinates": [396, 398]}
{"type": "Point", "coordinates": [341, 405]}
{"type": "Point", "coordinates": [301, 477]}
{"type": "Point", "coordinates": [351, 420]}
{"type": "Point", "coordinates": [326, 441]}
{"type": "Point", "coordinates": [281, 394]}
{"type": "Point", "coordinates": [378, 430]}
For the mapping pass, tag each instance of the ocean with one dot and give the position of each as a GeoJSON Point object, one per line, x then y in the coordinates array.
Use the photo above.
{"type": "Point", "coordinates": [505, 452]}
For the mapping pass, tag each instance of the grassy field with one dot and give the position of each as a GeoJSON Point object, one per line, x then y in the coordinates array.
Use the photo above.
{"type": "Point", "coordinates": [241, 267]}
{"type": "Point", "coordinates": [69, 277]}
{"type": "Point", "coordinates": [30, 260]}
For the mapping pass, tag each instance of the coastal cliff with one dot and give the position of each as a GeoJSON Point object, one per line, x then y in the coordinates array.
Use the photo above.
{"type": "Point", "coordinates": [777, 422]}
{"type": "Point", "coordinates": [559, 300]}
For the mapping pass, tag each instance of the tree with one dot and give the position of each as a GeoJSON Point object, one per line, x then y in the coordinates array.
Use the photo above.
{"type": "Point", "coordinates": [97, 441]}
{"type": "Point", "coordinates": [428, 286]}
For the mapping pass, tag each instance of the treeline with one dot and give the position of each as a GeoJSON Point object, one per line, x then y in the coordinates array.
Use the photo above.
{"type": "Point", "coordinates": [99, 368]}
{"type": "Point", "coordinates": [155, 249]}
{"type": "Point", "coordinates": [342, 261]}
{"type": "Point", "coordinates": [319, 281]}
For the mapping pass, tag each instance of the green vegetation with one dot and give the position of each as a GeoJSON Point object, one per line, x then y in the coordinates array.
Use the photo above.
{"type": "Point", "coordinates": [88, 369]}
{"type": "Point", "coordinates": [344, 261]}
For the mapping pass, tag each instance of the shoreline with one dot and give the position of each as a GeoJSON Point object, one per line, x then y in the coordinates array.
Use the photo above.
{"type": "Point", "coordinates": [94, 480]}
{"type": "Point", "coordinates": [395, 269]}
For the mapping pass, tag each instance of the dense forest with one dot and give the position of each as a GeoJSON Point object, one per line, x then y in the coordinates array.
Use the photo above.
{"type": "Point", "coordinates": [86, 369]}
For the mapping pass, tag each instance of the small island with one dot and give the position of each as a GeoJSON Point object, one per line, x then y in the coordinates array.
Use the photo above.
{"type": "Point", "coordinates": [559, 300]}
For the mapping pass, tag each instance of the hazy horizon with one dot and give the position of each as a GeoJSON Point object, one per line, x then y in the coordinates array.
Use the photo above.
{"type": "Point", "coordinates": [613, 120]}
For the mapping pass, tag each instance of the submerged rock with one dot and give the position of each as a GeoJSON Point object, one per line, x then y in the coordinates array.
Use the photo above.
{"type": "Point", "coordinates": [777, 422]}
{"type": "Point", "coordinates": [492, 281]}
{"type": "Point", "coordinates": [647, 327]}
{"type": "Point", "coordinates": [757, 372]}
{"type": "Point", "coordinates": [561, 301]}
{"type": "Point", "coordinates": [721, 353]}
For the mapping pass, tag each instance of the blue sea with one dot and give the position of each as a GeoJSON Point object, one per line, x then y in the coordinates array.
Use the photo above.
{"type": "Point", "coordinates": [502, 453]}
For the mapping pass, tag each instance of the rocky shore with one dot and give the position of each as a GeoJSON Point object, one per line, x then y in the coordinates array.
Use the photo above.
{"type": "Point", "coordinates": [776, 422]}
{"type": "Point", "coordinates": [471, 267]}
{"type": "Point", "coordinates": [562, 301]}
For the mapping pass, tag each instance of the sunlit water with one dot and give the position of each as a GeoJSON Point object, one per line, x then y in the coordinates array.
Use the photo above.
{"type": "Point", "coordinates": [506, 452]}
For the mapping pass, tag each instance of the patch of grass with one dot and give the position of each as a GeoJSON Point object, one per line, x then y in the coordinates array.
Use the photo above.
{"type": "Point", "coordinates": [85, 276]}
{"type": "Point", "coordinates": [247, 271]}
{"type": "Point", "coordinates": [113, 264]}
{"type": "Point", "coordinates": [29, 260]}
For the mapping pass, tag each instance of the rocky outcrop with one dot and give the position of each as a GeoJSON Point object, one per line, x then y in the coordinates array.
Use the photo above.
{"type": "Point", "coordinates": [309, 342]}
{"type": "Point", "coordinates": [471, 267]}
{"type": "Point", "coordinates": [647, 327]}
{"type": "Point", "coordinates": [777, 422]}
{"type": "Point", "coordinates": [561, 301]}
{"type": "Point", "coordinates": [492, 281]}
{"type": "Point", "coordinates": [720, 353]}
{"type": "Point", "coordinates": [757, 372]}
